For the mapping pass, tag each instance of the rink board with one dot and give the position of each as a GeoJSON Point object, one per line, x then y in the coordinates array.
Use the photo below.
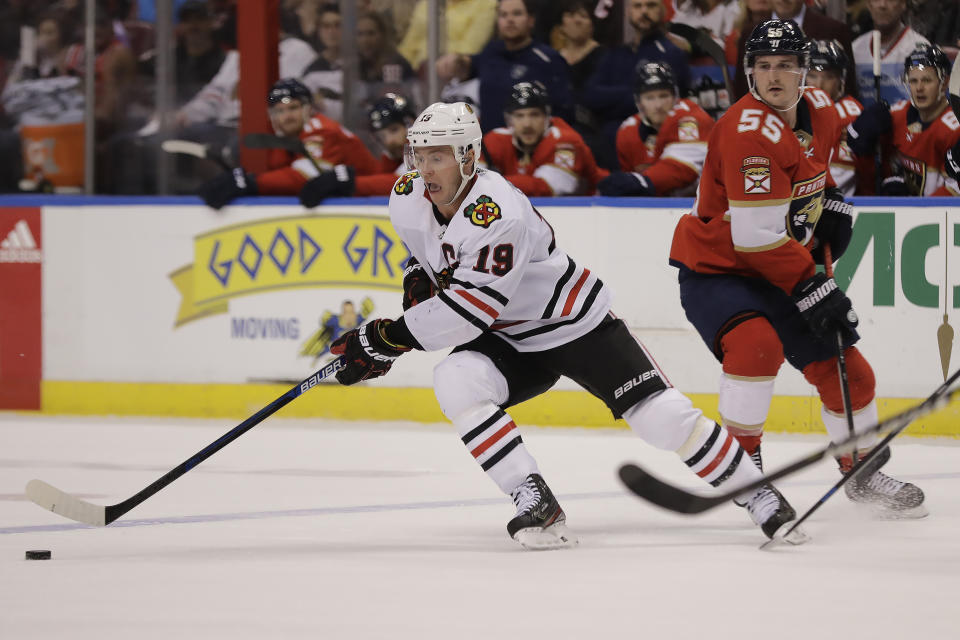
{"type": "Point", "coordinates": [163, 307]}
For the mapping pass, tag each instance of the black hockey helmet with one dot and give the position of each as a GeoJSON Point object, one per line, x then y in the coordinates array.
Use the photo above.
{"type": "Point", "coordinates": [288, 89]}
{"type": "Point", "coordinates": [528, 95]}
{"type": "Point", "coordinates": [828, 55]}
{"type": "Point", "coordinates": [648, 76]}
{"type": "Point", "coordinates": [928, 55]}
{"type": "Point", "coordinates": [391, 108]}
{"type": "Point", "coordinates": [777, 37]}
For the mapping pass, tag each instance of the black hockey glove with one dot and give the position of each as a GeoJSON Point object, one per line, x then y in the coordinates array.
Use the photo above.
{"type": "Point", "coordinates": [621, 184]}
{"type": "Point", "coordinates": [863, 132]}
{"type": "Point", "coordinates": [834, 227]}
{"type": "Point", "coordinates": [338, 183]}
{"type": "Point", "coordinates": [894, 186]}
{"type": "Point", "coordinates": [417, 285]}
{"type": "Point", "coordinates": [366, 352]}
{"type": "Point", "coordinates": [826, 308]}
{"type": "Point", "coordinates": [226, 187]}
{"type": "Point", "coordinates": [952, 163]}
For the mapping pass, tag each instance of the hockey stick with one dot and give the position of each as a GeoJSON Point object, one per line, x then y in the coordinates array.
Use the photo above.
{"type": "Point", "coordinates": [69, 506]}
{"type": "Point", "coordinates": [841, 357]}
{"type": "Point", "coordinates": [854, 470]}
{"type": "Point", "coordinates": [702, 40]}
{"type": "Point", "coordinates": [953, 87]}
{"type": "Point", "coordinates": [268, 141]}
{"type": "Point", "coordinates": [680, 500]}
{"type": "Point", "coordinates": [878, 152]}
{"type": "Point", "coordinates": [197, 150]}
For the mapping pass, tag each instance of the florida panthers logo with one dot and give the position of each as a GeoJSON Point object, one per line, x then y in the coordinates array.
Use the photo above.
{"type": "Point", "coordinates": [483, 212]}
{"type": "Point", "coordinates": [404, 185]}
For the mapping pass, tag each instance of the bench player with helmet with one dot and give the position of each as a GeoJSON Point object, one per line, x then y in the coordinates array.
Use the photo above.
{"type": "Point", "coordinates": [828, 72]}
{"type": "Point", "coordinates": [661, 148]}
{"type": "Point", "coordinates": [747, 259]}
{"type": "Point", "coordinates": [330, 145]}
{"type": "Point", "coordinates": [540, 153]}
{"type": "Point", "coordinates": [519, 312]}
{"type": "Point", "coordinates": [388, 118]}
{"type": "Point", "coordinates": [922, 130]}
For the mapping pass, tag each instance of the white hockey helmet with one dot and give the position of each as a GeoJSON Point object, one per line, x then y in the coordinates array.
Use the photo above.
{"type": "Point", "coordinates": [454, 125]}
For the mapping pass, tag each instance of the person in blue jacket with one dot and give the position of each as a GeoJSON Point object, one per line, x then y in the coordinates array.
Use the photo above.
{"type": "Point", "coordinates": [511, 58]}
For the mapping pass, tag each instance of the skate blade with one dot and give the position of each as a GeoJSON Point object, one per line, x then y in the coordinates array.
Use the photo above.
{"type": "Point", "coordinates": [796, 537]}
{"type": "Point", "coordinates": [556, 536]}
{"type": "Point", "coordinates": [881, 512]}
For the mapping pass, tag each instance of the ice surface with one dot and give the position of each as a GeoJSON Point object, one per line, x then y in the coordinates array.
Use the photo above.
{"type": "Point", "coordinates": [358, 530]}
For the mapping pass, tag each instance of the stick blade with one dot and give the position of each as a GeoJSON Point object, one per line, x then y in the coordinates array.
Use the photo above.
{"type": "Point", "coordinates": [185, 146]}
{"type": "Point", "coordinates": [662, 494]}
{"type": "Point", "coordinates": [63, 504]}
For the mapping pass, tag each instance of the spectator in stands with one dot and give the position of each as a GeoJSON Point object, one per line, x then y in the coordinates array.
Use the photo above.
{"type": "Point", "coordinates": [583, 55]}
{"type": "Point", "coordinates": [663, 146]}
{"type": "Point", "coordinates": [470, 26]}
{"type": "Point", "coordinates": [301, 19]}
{"type": "Point", "coordinates": [606, 15]}
{"type": "Point", "coordinates": [937, 20]}
{"type": "Point", "coordinates": [513, 57]}
{"type": "Point", "coordinates": [814, 25]}
{"type": "Point", "coordinates": [331, 149]}
{"type": "Point", "coordinates": [51, 58]}
{"type": "Point", "coordinates": [381, 67]}
{"type": "Point", "coordinates": [324, 77]}
{"type": "Point", "coordinates": [197, 56]}
{"type": "Point", "coordinates": [715, 16]}
{"type": "Point", "coordinates": [750, 14]}
{"type": "Point", "coordinates": [389, 119]}
{"type": "Point", "coordinates": [610, 97]}
{"type": "Point", "coordinates": [541, 155]}
{"type": "Point", "coordinates": [897, 41]}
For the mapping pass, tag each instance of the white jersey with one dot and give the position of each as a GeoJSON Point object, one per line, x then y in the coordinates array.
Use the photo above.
{"type": "Point", "coordinates": [892, 88]}
{"type": "Point", "coordinates": [497, 267]}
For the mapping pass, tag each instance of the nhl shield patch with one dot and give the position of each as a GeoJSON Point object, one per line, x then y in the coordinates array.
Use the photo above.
{"type": "Point", "coordinates": [756, 175]}
{"type": "Point", "coordinates": [483, 212]}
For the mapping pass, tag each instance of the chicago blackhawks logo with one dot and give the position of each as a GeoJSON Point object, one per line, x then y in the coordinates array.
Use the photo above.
{"type": "Point", "coordinates": [404, 185]}
{"type": "Point", "coordinates": [483, 212]}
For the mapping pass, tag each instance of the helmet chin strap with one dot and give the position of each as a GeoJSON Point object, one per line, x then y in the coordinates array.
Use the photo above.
{"type": "Point", "coordinates": [753, 90]}
{"type": "Point", "coordinates": [464, 181]}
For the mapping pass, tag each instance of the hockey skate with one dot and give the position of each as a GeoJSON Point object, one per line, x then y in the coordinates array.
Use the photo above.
{"type": "Point", "coordinates": [771, 511]}
{"type": "Point", "coordinates": [539, 522]}
{"type": "Point", "coordinates": [885, 496]}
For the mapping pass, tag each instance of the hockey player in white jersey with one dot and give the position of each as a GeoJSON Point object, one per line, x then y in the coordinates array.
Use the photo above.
{"type": "Point", "coordinates": [490, 280]}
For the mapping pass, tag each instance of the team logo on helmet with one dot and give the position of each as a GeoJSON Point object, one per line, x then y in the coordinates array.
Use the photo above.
{"type": "Point", "coordinates": [404, 185]}
{"type": "Point", "coordinates": [483, 212]}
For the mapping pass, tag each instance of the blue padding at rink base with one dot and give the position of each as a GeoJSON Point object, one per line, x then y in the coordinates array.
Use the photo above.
{"type": "Point", "coordinates": [40, 200]}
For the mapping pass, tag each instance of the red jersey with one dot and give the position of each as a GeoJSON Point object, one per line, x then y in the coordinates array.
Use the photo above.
{"type": "Point", "coordinates": [919, 149]}
{"type": "Point", "coordinates": [329, 144]}
{"type": "Point", "coordinates": [761, 192]}
{"type": "Point", "coordinates": [671, 157]}
{"type": "Point", "coordinates": [381, 182]}
{"type": "Point", "coordinates": [560, 165]}
{"type": "Point", "coordinates": [846, 169]}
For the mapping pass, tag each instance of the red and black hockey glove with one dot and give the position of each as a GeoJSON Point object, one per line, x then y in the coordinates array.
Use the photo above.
{"type": "Point", "coordinates": [226, 187]}
{"type": "Point", "coordinates": [338, 183]}
{"type": "Point", "coordinates": [862, 133]}
{"type": "Point", "coordinates": [835, 226]}
{"type": "Point", "coordinates": [622, 184]}
{"type": "Point", "coordinates": [366, 352]}
{"type": "Point", "coordinates": [417, 285]}
{"type": "Point", "coordinates": [826, 308]}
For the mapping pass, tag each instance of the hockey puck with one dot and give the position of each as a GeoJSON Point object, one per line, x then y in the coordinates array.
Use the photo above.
{"type": "Point", "coordinates": [39, 554]}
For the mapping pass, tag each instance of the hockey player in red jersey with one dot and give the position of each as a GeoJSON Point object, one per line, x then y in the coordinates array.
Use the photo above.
{"type": "Point", "coordinates": [388, 118]}
{"type": "Point", "coordinates": [329, 145]}
{"type": "Point", "coordinates": [828, 72]}
{"type": "Point", "coordinates": [492, 282]}
{"type": "Point", "coordinates": [661, 148]}
{"type": "Point", "coordinates": [747, 259]}
{"type": "Point", "coordinates": [540, 154]}
{"type": "Point", "coordinates": [922, 129]}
